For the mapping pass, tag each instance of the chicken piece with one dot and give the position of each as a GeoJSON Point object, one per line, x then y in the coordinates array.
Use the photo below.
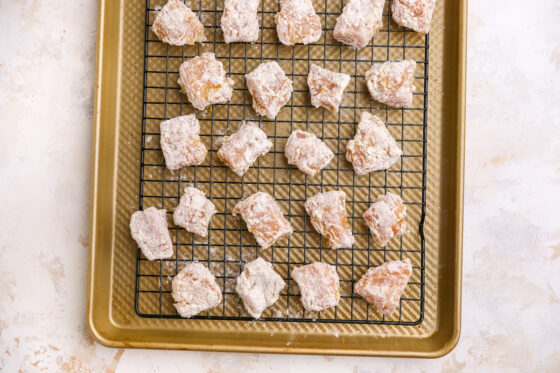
{"type": "Point", "coordinates": [176, 24]}
{"type": "Point", "coordinates": [318, 284]}
{"type": "Point", "coordinates": [326, 87]}
{"type": "Point", "coordinates": [180, 142]}
{"type": "Point", "coordinates": [307, 152]}
{"type": "Point", "coordinates": [194, 290]}
{"type": "Point", "coordinates": [328, 216]}
{"type": "Point", "coordinates": [264, 218]}
{"type": "Point", "coordinates": [414, 14]}
{"type": "Point", "coordinates": [297, 22]}
{"type": "Point", "coordinates": [240, 21]}
{"type": "Point", "coordinates": [259, 286]}
{"type": "Point", "coordinates": [385, 218]}
{"type": "Point", "coordinates": [392, 82]}
{"type": "Point", "coordinates": [270, 88]}
{"type": "Point", "coordinates": [194, 212]}
{"type": "Point", "coordinates": [149, 230]}
{"type": "Point", "coordinates": [373, 148]}
{"type": "Point", "coordinates": [240, 150]}
{"type": "Point", "coordinates": [383, 286]}
{"type": "Point", "coordinates": [360, 19]}
{"type": "Point", "coordinates": [203, 79]}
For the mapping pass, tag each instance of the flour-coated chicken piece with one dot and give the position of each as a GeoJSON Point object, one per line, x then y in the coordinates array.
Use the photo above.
{"type": "Point", "coordinates": [270, 88]}
{"type": "Point", "coordinates": [373, 148]}
{"type": "Point", "coordinates": [318, 284]}
{"type": "Point", "coordinates": [240, 150]}
{"type": "Point", "coordinates": [194, 212]}
{"type": "Point", "coordinates": [204, 81]}
{"type": "Point", "coordinates": [180, 142]}
{"type": "Point", "coordinates": [383, 286]}
{"type": "Point", "coordinates": [259, 286]}
{"type": "Point", "coordinates": [149, 230]}
{"type": "Point", "coordinates": [264, 218]}
{"type": "Point", "coordinates": [176, 24]}
{"type": "Point", "coordinates": [328, 216]}
{"type": "Point", "coordinates": [194, 290]}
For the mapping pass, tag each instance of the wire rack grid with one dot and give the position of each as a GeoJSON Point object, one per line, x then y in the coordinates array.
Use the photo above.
{"type": "Point", "coordinates": [229, 245]}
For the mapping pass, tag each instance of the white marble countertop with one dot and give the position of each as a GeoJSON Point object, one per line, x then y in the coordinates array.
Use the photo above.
{"type": "Point", "coordinates": [511, 283]}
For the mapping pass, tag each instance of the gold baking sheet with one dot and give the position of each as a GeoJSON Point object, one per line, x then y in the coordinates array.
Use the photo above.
{"type": "Point", "coordinates": [128, 299]}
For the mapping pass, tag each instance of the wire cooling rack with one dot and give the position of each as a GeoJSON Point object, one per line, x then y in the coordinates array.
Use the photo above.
{"type": "Point", "coordinates": [229, 245]}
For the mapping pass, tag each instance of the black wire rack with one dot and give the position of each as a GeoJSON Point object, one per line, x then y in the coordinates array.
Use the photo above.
{"type": "Point", "coordinates": [229, 245]}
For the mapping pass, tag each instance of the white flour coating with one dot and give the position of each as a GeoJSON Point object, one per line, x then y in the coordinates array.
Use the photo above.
{"type": "Point", "coordinates": [326, 87]}
{"type": "Point", "coordinates": [219, 140]}
{"type": "Point", "coordinates": [240, 150]}
{"type": "Point", "coordinates": [270, 88]}
{"type": "Point", "coordinates": [373, 148]}
{"type": "Point", "coordinates": [328, 217]}
{"type": "Point", "coordinates": [203, 79]}
{"type": "Point", "coordinates": [194, 212]}
{"type": "Point", "coordinates": [264, 218]}
{"type": "Point", "coordinates": [360, 19]}
{"type": "Point", "coordinates": [297, 22]}
{"type": "Point", "coordinates": [240, 21]}
{"type": "Point", "coordinates": [219, 137]}
{"type": "Point", "coordinates": [259, 286]}
{"type": "Point", "coordinates": [318, 284]}
{"type": "Point", "coordinates": [248, 255]}
{"type": "Point", "coordinates": [149, 230]}
{"type": "Point", "coordinates": [414, 14]}
{"type": "Point", "coordinates": [383, 286]}
{"type": "Point", "coordinates": [385, 218]}
{"type": "Point", "coordinates": [194, 290]}
{"type": "Point", "coordinates": [180, 142]}
{"type": "Point", "coordinates": [307, 152]}
{"type": "Point", "coordinates": [217, 268]}
{"type": "Point", "coordinates": [392, 82]}
{"type": "Point", "coordinates": [176, 24]}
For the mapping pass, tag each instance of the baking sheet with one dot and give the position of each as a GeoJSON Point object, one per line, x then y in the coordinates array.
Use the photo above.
{"type": "Point", "coordinates": [427, 323]}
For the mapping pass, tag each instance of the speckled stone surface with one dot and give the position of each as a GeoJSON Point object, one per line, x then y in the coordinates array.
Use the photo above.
{"type": "Point", "coordinates": [511, 283]}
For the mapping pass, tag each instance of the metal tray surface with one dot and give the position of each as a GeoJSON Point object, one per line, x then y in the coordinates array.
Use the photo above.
{"type": "Point", "coordinates": [129, 300]}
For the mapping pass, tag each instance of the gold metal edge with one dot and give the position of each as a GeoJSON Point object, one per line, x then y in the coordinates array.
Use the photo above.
{"type": "Point", "coordinates": [451, 342]}
{"type": "Point", "coordinates": [91, 324]}
{"type": "Point", "coordinates": [98, 319]}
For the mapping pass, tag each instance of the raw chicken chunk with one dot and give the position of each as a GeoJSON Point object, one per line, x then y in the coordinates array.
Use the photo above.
{"type": "Point", "coordinates": [297, 22]}
{"type": "Point", "coordinates": [194, 212]}
{"type": "Point", "coordinates": [392, 82]}
{"type": "Point", "coordinates": [373, 148]}
{"type": "Point", "coordinates": [318, 284]}
{"type": "Point", "coordinates": [176, 24]}
{"type": "Point", "coordinates": [360, 19]}
{"type": "Point", "coordinates": [270, 88]}
{"type": "Point", "coordinates": [240, 150]}
{"type": "Point", "coordinates": [414, 14]}
{"type": "Point", "coordinates": [240, 21]}
{"type": "Point", "coordinates": [149, 230]}
{"type": "Point", "coordinates": [383, 286]}
{"type": "Point", "coordinates": [326, 87]}
{"type": "Point", "coordinates": [259, 286]}
{"type": "Point", "coordinates": [180, 142]}
{"type": "Point", "coordinates": [328, 216]}
{"type": "Point", "coordinates": [203, 79]}
{"type": "Point", "coordinates": [264, 218]}
{"type": "Point", "coordinates": [307, 152]}
{"type": "Point", "coordinates": [194, 290]}
{"type": "Point", "coordinates": [385, 218]}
